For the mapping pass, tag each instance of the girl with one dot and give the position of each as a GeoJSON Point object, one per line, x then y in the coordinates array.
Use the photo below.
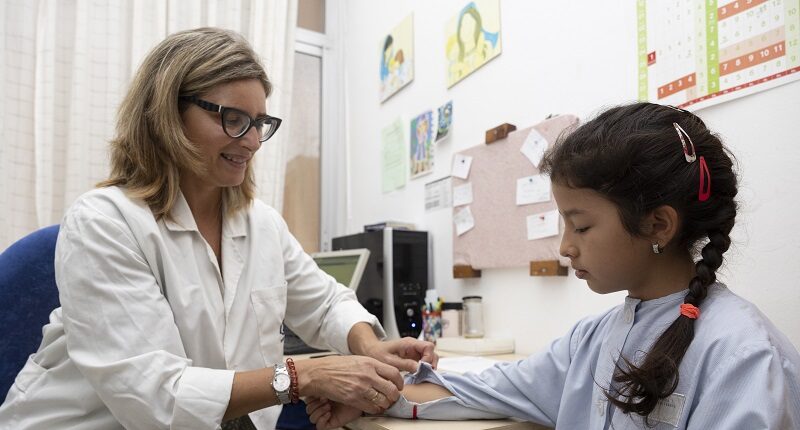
{"type": "Point", "coordinates": [647, 196]}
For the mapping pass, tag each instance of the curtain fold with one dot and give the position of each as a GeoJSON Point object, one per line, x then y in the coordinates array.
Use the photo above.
{"type": "Point", "coordinates": [65, 66]}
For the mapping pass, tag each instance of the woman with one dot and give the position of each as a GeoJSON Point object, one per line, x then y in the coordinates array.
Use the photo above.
{"type": "Point", "coordinates": [175, 281]}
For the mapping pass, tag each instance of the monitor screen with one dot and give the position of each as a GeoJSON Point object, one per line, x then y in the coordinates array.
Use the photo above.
{"type": "Point", "coordinates": [344, 266]}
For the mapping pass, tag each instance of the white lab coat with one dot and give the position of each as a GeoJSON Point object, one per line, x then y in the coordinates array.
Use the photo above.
{"type": "Point", "coordinates": [149, 333]}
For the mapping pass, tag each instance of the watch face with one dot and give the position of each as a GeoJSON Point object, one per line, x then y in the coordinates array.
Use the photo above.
{"type": "Point", "coordinates": [281, 382]}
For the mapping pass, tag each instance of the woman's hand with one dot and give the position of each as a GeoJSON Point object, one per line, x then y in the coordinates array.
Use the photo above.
{"type": "Point", "coordinates": [358, 382]}
{"type": "Point", "coordinates": [404, 353]}
{"type": "Point", "coordinates": [329, 415]}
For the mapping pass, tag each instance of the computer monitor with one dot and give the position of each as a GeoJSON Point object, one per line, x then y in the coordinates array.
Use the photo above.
{"type": "Point", "coordinates": [346, 266]}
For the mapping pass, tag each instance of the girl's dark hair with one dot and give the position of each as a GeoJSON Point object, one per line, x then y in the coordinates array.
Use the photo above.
{"type": "Point", "coordinates": [632, 155]}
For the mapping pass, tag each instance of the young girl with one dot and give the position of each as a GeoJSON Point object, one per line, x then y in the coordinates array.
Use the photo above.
{"type": "Point", "coordinates": [647, 196]}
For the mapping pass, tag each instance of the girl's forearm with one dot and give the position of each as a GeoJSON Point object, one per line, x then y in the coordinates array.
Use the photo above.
{"type": "Point", "coordinates": [425, 392]}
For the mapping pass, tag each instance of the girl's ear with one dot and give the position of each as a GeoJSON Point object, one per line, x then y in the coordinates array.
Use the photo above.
{"type": "Point", "coordinates": [661, 225]}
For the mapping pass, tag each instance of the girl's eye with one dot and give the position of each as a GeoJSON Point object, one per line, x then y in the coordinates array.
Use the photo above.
{"type": "Point", "coordinates": [581, 230]}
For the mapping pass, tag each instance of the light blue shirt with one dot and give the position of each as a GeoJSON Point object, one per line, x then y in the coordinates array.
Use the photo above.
{"type": "Point", "coordinates": [739, 372]}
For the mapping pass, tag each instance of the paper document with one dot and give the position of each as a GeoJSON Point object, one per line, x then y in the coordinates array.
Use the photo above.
{"type": "Point", "coordinates": [393, 158]}
{"type": "Point", "coordinates": [533, 189]}
{"type": "Point", "coordinates": [534, 147]}
{"type": "Point", "coordinates": [465, 364]}
{"type": "Point", "coordinates": [462, 194]}
{"type": "Point", "coordinates": [542, 225]}
{"type": "Point", "coordinates": [463, 220]}
{"type": "Point", "coordinates": [461, 165]}
{"type": "Point", "coordinates": [437, 194]}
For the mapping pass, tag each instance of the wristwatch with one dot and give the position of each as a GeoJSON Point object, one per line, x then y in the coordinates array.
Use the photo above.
{"type": "Point", "coordinates": [281, 383]}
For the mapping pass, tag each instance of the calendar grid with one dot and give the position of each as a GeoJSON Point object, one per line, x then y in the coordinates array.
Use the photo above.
{"type": "Point", "coordinates": [702, 52]}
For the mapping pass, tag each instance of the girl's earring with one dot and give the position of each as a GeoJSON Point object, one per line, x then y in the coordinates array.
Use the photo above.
{"type": "Point", "coordinates": [656, 248]}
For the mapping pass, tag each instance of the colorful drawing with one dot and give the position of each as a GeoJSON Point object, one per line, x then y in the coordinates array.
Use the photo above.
{"type": "Point", "coordinates": [444, 120]}
{"type": "Point", "coordinates": [422, 129]}
{"type": "Point", "coordinates": [397, 58]}
{"type": "Point", "coordinates": [472, 39]}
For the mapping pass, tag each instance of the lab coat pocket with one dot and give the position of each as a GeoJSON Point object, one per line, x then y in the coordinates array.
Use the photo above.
{"type": "Point", "coordinates": [269, 305]}
{"type": "Point", "coordinates": [30, 373]}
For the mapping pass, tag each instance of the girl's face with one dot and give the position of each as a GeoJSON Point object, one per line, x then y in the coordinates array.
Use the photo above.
{"type": "Point", "coordinates": [225, 158]}
{"type": "Point", "coordinates": [602, 252]}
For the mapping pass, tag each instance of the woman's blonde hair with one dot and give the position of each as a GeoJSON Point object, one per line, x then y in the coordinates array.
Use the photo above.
{"type": "Point", "coordinates": [150, 146]}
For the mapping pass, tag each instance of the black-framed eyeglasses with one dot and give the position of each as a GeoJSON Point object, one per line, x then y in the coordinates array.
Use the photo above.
{"type": "Point", "coordinates": [235, 122]}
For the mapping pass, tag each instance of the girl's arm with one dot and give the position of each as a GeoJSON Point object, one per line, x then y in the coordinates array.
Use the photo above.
{"type": "Point", "coordinates": [424, 392]}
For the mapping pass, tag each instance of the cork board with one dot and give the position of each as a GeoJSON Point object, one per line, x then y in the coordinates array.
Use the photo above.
{"type": "Point", "coordinates": [499, 238]}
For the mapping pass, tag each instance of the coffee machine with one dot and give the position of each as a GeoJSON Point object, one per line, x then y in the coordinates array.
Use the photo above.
{"type": "Point", "coordinates": [396, 277]}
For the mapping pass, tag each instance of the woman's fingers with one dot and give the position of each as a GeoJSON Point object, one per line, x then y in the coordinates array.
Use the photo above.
{"type": "Point", "coordinates": [313, 404]}
{"type": "Point", "coordinates": [379, 399]}
{"type": "Point", "coordinates": [389, 376]}
{"type": "Point", "coordinates": [318, 413]}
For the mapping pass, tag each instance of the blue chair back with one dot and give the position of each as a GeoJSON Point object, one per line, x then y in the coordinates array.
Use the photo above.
{"type": "Point", "coordinates": [28, 294]}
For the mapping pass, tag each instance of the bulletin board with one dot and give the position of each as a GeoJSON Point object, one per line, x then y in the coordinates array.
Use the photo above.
{"type": "Point", "coordinates": [499, 237]}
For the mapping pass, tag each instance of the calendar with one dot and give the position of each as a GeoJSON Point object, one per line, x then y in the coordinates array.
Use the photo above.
{"type": "Point", "coordinates": [695, 53]}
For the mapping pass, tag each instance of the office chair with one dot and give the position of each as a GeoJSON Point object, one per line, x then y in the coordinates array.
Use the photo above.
{"type": "Point", "coordinates": [28, 294]}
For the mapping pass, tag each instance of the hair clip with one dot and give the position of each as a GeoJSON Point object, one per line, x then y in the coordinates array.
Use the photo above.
{"type": "Point", "coordinates": [690, 157]}
{"type": "Point", "coordinates": [677, 109]}
{"type": "Point", "coordinates": [704, 192]}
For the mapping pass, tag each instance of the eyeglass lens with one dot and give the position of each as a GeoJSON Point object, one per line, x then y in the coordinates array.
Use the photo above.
{"type": "Point", "coordinates": [237, 123]}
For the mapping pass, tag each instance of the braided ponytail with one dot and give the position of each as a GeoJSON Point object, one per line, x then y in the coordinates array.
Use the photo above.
{"type": "Point", "coordinates": [656, 378]}
{"type": "Point", "coordinates": [624, 154]}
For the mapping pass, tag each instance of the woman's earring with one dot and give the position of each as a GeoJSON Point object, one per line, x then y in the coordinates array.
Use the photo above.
{"type": "Point", "coordinates": [656, 248]}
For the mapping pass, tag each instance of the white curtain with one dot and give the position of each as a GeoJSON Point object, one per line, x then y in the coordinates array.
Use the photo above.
{"type": "Point", "coordinates": [64, 68]}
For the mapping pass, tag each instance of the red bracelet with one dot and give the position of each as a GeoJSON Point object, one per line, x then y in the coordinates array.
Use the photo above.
{"type": "Point", "coordinates": [294, 391]}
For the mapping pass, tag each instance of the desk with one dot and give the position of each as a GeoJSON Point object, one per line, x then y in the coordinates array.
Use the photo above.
{"type": "Point", "coordinates": [387, 423]}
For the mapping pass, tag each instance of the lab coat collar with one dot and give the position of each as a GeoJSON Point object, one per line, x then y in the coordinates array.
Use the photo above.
{"type": "Point", "coordinates": [235, 225]}
{"type": "Point", "coordinates": [181, 219]}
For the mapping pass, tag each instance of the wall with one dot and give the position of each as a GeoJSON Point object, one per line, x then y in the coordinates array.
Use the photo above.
{"type": "Point", "coordinates": [561, 57]}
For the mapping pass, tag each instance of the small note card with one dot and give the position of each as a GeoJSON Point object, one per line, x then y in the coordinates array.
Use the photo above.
{"type": "Point", "coordinates": [542, 225]}
{"type": "Point", "coordinates": [462, 194]}
{"type": "Point", "coordinates": [461, 165]}
{"type": "Point", "coordinates": [533, 189]}
{"type": "Point", "coordinates": [463, 220]}
{"type": "Point", "coordinates": [534, 147]}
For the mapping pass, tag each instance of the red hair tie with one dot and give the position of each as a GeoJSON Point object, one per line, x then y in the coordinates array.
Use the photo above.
{"type": "Point", "coordinates": [690, 311]}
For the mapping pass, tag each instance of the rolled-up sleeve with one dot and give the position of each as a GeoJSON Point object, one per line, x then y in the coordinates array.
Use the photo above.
{"type": "Point", "coordinates": [529, 389]}
{"type": "Point", "coordinates": [120, 330]}
{"type": "Point", "coordinates": [320, 310]}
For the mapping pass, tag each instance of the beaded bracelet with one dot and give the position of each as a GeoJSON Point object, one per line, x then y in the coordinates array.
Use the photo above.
{"type": "Point", "coordinates": [294, 390]}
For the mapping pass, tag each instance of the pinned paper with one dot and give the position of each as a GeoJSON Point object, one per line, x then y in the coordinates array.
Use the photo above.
{"type": "Point", "coordinates": [463, 220]}
{"type": "Point", "coordinates": [461, 165]}
{"type": "Point", "coordinates": [462, 194]}
{"type": "Point", "coordinates": [437, 194]}
{"type": "Point", "coordinates": [533, 189]}
{"type": "Point", "coordinates": [542, 225]}
{"type": "Point", "coordinates": [534, 147]}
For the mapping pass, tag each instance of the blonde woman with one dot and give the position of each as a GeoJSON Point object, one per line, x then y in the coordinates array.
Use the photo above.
{"type": "Point", "coordinates": [175, 281]}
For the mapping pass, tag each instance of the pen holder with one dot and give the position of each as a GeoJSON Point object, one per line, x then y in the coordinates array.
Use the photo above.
{"type": "Point", "coordinates": [431, 325]}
